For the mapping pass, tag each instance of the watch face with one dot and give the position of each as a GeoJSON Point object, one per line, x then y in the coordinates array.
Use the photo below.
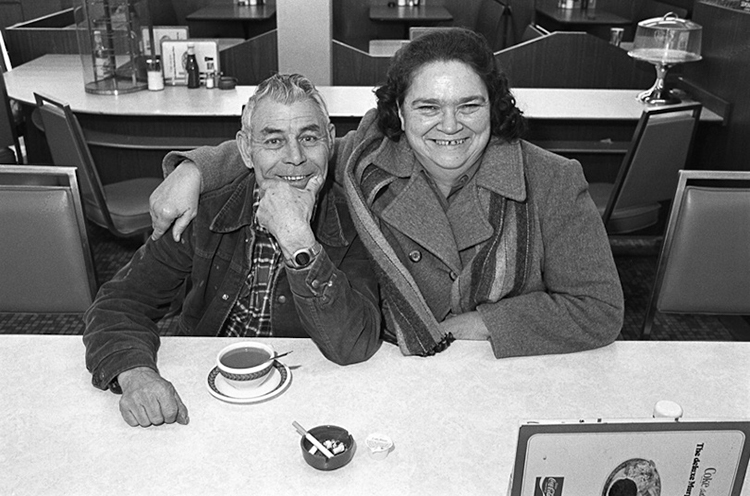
{"type": "Point", "coordinates": [302, 259]}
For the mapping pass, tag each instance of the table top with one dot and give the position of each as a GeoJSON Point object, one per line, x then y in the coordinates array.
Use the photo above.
{"type": "Point", "coordinates": [233, 12]}
{"type": "Point", "coordinates": [590, 17]}
{"type": "Point", "coordinates": [421, 13]}
{"type": "Point", "coordinates": [453, 417]}
{"type": "Point", "coordinates": [61, 77]}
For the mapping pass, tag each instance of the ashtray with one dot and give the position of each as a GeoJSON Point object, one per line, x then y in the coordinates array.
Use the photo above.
{"type": "Point", "coordinates": [333, 436]}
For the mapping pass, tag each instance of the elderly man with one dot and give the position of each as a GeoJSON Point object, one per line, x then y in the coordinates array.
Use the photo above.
{"type": "Point", "coordinates": [274, 253]}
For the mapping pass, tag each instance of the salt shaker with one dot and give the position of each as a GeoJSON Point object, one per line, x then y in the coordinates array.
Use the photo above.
{"type": "Point", "coordinates": [155, 77]}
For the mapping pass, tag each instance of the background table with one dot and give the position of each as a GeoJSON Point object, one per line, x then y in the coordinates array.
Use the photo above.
{"type": "Point", "coordinates": [595, 21]}
{"type": "Point", "coordinates": [215, 20]}
{"type": "Point", "coordinates": [130, 134]}
{"type": "Point", "coordinates": [453, 417]}
{"type": "Point", "coordinates": [422, 15]}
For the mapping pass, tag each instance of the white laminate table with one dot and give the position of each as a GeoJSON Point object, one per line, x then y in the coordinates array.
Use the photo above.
{"type": "Point", "coordinates": [453, 417]}
{"type": "Point", "coordinates": [61, 77]}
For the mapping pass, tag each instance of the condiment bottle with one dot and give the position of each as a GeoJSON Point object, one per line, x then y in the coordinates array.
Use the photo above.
{"type": "Point", "coordinates": [210, 73]}
{"type": "Point", "coordinates": [102, 64]}
{"type": "Point", "coordinates": [155, 77]}
{"type": "Point", "coordinates": [191, 66]}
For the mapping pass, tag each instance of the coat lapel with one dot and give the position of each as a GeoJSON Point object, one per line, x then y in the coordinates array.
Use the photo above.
{"type": "Point", "coordinates": [417, 213]}
{"type": "Point", "coordinates": [501, 172]}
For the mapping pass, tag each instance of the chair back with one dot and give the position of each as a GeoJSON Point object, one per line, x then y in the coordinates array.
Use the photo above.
{"type": "Point", "coordinates": [8, 133]}
{"type": "Point", "coordinates": [533, 31]}
{"type": "Point", "coordinates": [5, 64]}
{"type": "Point", "coordinates": [660, 147]}
{"type": "Point", "coordinates": [417, 31]}
{"type": "Point", "coordinates": [47, 266]}
{"type": "Point", "coordinates": [68, 147]}
{"type": "Point", "coordinates": [489, 23]}
{"type": "Point", "coordinates": [704, 265]}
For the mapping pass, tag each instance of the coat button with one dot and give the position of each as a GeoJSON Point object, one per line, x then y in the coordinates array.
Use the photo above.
{"type": "Point", "coordinates": [281, 299]}
{"type": "Point", "coordinates": [453, 276]}
{"type": "Point", "coordinates": [415, 256]}
{"type": "Point", "coordinates": [225, 297]}
{"type": "Point", "coordinates": [315, 284]}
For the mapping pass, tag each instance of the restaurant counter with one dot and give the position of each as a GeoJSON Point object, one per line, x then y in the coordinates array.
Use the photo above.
{"type": "Point", "coordinates": [129, 134]}
{"type": "Point", "coordinates": [453, 417]}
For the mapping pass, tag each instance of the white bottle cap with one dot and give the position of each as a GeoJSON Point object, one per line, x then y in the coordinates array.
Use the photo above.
{"type": "Point", "coordinates": [667, 409]}
{"type": "Point", "coordinates": [379, 445]}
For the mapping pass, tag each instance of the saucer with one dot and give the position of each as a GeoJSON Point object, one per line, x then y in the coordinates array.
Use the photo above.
{"type": "Point", "coordinates": [277, 383]}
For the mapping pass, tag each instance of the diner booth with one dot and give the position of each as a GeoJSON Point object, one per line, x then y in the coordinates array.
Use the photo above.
{"type": "Point", "coordinates": [451, 422]}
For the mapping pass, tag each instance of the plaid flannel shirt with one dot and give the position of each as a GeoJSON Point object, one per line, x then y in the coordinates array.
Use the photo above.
{"type": "Point", "coordinates": [251, 313]}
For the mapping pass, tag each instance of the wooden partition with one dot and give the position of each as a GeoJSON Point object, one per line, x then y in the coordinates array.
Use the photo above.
{"type": "Point", "coordinates": [573, 60]}
{"type": "Point", "coordinates": [722, 79]}
{"type": "Point", "coordinates": [54, 33]}
{"type": "Point", "coordinates": [253, 60]}
{"type": "Point", "coordinates": [354, 67]}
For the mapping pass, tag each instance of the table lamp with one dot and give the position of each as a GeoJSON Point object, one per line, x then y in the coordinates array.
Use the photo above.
{"type": "Point", "coordinates": [665, 42]}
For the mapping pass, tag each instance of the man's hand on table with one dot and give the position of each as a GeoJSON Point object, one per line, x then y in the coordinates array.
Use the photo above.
{"type": "Point", "coordinates": [176, 200]}
{"type": "Point", "coordinates": [148, 399]}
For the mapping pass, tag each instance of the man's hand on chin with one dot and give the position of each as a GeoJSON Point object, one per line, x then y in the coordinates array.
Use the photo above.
{"type": "Point", "coordinates": [286, 212]}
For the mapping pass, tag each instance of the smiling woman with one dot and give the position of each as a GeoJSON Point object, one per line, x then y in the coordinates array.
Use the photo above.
{"type": "Point", "coordinates": [473, 232]}
{"type": "Point", "coordinates": [500, 237]}
{"type": "Point", "coordinates": [446, 119]}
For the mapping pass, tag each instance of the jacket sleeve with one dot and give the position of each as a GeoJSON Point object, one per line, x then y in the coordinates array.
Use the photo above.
{"type": "Point", "coordinates": [121, 331]}
{"type": "Point", "coordinates": [206, 159]}
{"type": "Point", "coordinates": [579, 303]}
{"type": "Point", "coordinates": [338, 306]}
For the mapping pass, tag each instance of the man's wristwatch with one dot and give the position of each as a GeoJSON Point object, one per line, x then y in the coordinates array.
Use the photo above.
{"type": "Point", "coordinates": [302, 259]}
{"type": "Point", "coordinates": [114, 386]}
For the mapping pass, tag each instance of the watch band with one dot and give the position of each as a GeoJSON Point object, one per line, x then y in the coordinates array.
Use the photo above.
{"type": "Point", "coordinates": [114, 386]}
{"type": "Point", "coordinates": [302, 259]}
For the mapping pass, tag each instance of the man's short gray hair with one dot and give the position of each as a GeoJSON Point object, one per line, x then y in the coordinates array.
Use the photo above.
{"type": "Point", "coordinates": [286, 89]}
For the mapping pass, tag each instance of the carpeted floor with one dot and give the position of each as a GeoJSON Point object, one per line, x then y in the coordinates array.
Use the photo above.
{"type": "Point", "coordinates": [635, 258]}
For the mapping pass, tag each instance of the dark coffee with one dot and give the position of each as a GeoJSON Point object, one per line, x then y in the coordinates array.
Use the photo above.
{"type": "Point", "coordinates": [244, 358]}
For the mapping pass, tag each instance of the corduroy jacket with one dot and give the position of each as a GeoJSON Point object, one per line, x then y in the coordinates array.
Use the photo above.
{"type": "Point", "coordinates": [334, 301]}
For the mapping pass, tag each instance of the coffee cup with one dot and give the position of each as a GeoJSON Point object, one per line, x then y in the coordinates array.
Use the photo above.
{"type": "Point", "coordinates": [246, 365]}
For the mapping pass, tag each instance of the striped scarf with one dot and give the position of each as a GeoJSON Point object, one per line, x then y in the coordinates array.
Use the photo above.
{"type": "Point", "coordinates": [499, 269]}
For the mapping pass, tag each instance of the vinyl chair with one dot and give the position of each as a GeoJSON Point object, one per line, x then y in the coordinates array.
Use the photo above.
{"type": "Point", "coordinates": [417, 31]}
{"type": "Point", "coordinates": [10, 145]}
{"type": "Point", "coordinates": [122, 207]}
{"type": "Point", "coordinates": [47, 266]}
{"type": "Point", "coordinates": [704, 265]}
{"type": "Point", "coordinates": [5, 64]}
{"type": "Point", "coordinates": [660, 147]}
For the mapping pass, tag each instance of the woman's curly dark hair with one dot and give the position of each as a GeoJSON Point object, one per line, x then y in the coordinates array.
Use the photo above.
{"type": "Point", "coordinates": [449, 44]}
